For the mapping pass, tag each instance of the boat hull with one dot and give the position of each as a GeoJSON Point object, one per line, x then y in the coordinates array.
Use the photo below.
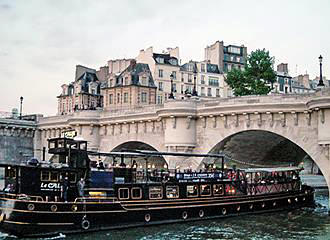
{"type": "Point", "coordinates": [32, 218]}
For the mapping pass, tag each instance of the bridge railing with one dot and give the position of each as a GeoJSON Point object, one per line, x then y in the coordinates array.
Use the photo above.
{"type": "Point", "coordinates": [4, 114]}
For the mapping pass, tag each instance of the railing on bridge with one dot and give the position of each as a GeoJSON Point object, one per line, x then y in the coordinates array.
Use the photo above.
{"type": "Point", "coordinates": [4, 114]}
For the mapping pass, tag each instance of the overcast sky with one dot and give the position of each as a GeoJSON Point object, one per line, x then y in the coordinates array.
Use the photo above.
{"type": "Point", "coordinates": [41, 41]}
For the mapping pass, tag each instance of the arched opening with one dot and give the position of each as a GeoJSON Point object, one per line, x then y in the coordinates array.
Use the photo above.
{"type": "Point", "coordinates": [150, 163]}
{"type": "Point", "coordinates": [259, 148]}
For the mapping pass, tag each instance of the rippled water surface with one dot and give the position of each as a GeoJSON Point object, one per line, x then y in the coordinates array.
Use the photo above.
{"type": "Point", "coordinates": [298, 224]}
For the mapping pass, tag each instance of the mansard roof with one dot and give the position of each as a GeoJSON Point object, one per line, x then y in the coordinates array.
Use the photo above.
{"type": "Point", "coordinates": [135, 70]}
{"type": "Point", "coordinates": [212, 68]}
{"type": "Point", "coordinates": [191, 66]}
{"type": "Point", "coordinates": [164, 58]}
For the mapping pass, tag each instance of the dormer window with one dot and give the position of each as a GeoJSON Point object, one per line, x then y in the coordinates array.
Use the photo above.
{"type": "Point", "coordinates": [144, 81]}
{"type": "Point", "coordinates": [126, 81]}
{"type": "Point", "coordinates": [160, 60]}
{"type": "Point", "coordinates": [173, 61]}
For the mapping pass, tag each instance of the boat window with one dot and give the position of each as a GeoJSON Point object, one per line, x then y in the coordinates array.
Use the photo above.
{"type": "Point", "coordinates": [51, 144]}
{"type": "Point", "coordinates": [54, 176]}
{"type": "Point", "coordinates": [218, 189]}
{"type": "Point", "coordinates": [155, 192]}
{"type": "Point", "coordinates": [172, 191]}
{"type": "Point", "coordinates": [136, 193]}
{"type": "Point", "coordinates": [11, 172]}
{"type": "Point", "coordinates": [192, 191]}
{"type": "Point", "coordinates": [60, 143]}
{"type": "Point", "coordinates": [206, 190]}
{"type": "Point", "coordinates": [45, 175]}
{"type": "Point", "coordinates": [123, 193]}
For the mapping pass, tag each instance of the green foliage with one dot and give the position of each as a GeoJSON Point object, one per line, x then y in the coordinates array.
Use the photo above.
{"type": "Point", "coordinates": [257, 73]}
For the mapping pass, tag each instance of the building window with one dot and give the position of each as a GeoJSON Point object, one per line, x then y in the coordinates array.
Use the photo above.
{"type": "Point", "coordinates": [202, 91]}
{"type": "Point", "coordinates": [144, 81]}
{"type": "Point", "coordinates": [110, 98]}
{"type": "Point", "coordinates": [238, 59]}
{"type": "Point", "coordinates": [182, 77]}
{"type": "Point", "coordinates": [182, 86]}
{"type": "Point", "coordinates": [203, 67]}
{"type": "Point", "coordinates": [155, 192]}
{"type": "Point", "coordinates": [217, 92]}
{"type": "Point", "coordinates": [144, 97]}
{"type": "Point", "coordinates": [235, 50]}
{"type": "Point", "coordinates": [125, 97]}
{"type": "Point", "coordinates": [160, 99]}
{"type": "Point", "coordinates": [213, 81]}
{"type": "Point", "coordinates": [118, 98]}
{"type": "Point", "coordinates": [202, 79]}
{"type": "Point", "coordinates": [160, 60]}
{"type": "Point", "coordinates": [174, 74]}
{"type": "Point", "coordinates": [192, 190]}
{"type": "Point", "coordinates": [160, 73]}
{"type": "Point", "coordinates": [209, 92]}
{"type": "Point", "coordinates": [160, 86]}
{"type": "Point", "coordinates": [172, 191]}
{"type": "Point", "coordinates": [189, 77]}
{"type": "Point", "coordinates": [174, 87]}
{"type": "Point", "coordinates": [126, 81]}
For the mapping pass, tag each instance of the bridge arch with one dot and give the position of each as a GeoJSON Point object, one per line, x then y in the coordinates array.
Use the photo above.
{"type": "Point", "coordinates": [153, 162]}
{"type": "Point", "coordinates": [305, 139]}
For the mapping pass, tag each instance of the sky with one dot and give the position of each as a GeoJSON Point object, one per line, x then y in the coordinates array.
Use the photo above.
{"type": "Point", "coordinates": [41, 41]}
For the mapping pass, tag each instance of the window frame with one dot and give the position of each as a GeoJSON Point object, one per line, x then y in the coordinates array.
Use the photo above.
{"type": "Point", "coordinates": [194, 185]}
{"type": "Point", "coordinates": [161, 192]}
{"type": "Point", "coordinates": [135, 188]}
{"type": "Point", "coordinates": [218, 194]}
{"type": "Point", "coordinates": [205, 195]}
{"type": "Point", "coordinates": [120, 198]}
{"type": "Point", "coordinates": [172, 186]}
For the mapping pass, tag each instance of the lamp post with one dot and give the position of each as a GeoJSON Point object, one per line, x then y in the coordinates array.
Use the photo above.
{"type": "Point", "coordinates": [194, 93]}
{"type": "Point", "coordinates": [21, 104]}
{"type": "Point", "coordinates": [320, 84]}
{"type": "Point", "coordinates": [171, 94]}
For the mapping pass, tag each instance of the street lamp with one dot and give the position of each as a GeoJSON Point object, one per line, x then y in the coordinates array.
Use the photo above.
{"type": "Point", "coordinates": [320, 84]}
{"type": "Point", "coordinates": [171, 94]}
{"type": "Point", "coordinates": [194, 93]}
{"type": "Point", "coordinates": [20, 112]}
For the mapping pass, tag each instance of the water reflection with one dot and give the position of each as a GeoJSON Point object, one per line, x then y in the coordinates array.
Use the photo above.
{"type": "Point", "coordinates": [299, 224]}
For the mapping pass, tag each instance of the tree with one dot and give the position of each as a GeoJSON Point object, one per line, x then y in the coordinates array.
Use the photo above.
{"type": "Point", "coordinates": [258, 75]}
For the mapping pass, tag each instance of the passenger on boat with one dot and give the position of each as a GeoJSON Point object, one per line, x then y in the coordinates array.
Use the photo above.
{"type": "Point", "coordinates": [10, 188]}
{"type": "Point", "coordinates": [100, 165]}
{"type": "Point", "coordinates": [65, 189]}
{"type": "Point", "coordinates": [80, 186]}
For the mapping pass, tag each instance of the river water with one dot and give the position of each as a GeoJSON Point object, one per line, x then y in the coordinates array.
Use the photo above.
{"type": "Point", "coordinates": [299, 224]}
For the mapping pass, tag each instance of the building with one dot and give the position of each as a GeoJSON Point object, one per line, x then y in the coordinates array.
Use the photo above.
{"type": "Point", "coordinates": [301, 84]}
{"type": "Point", "coordinates": [226, 57]}
{"type": "Point", "coordinates": [207, 78]}
{"type": "Point", "coordinates": [82, 94]}
{"type": "Point", "coordinates": [133, 87]}
{"type": "Point", "coordinates": [283, 83]}
{"type": "Point", "coordinates": [162, 67]}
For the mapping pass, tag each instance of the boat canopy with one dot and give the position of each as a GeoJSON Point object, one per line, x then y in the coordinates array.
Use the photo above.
{"type": "Point", "coordinates": [274, 169]}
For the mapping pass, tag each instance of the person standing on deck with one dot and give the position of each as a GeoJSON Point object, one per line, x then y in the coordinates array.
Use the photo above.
{"type": "Point", "coordinates": [80, 186]}
{"type": "Point", "coordinates": [65, 189]}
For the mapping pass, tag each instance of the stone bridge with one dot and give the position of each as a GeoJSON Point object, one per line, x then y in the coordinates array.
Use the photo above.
{"type": "Point", "coordinates": [16, 139]}
{"type": "Point", "coordinates": [251, 128]}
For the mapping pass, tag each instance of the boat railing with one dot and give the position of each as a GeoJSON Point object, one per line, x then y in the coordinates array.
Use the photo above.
{"type": "Point", "coordinates": [23, 197]}
{"type": "Point", "coordinates": [95, 199]}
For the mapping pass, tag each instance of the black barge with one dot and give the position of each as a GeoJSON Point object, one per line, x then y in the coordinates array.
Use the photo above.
{"type": "Point", "coordinates": [41, 198]}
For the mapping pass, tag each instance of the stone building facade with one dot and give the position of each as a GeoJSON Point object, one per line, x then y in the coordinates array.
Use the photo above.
{"type": "Point", "coordinates": [226, 57]}
{"type": "Point", "coordinates": [82, 94]}
{"type": "Point", "coordinates": [131, 88]}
